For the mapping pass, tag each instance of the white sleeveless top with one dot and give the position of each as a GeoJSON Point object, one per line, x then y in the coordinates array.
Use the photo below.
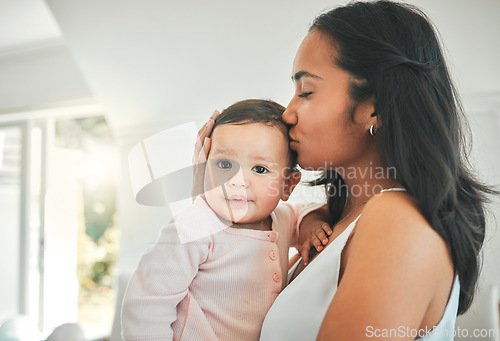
{"type": "Point", "coordinates": [298, 311]}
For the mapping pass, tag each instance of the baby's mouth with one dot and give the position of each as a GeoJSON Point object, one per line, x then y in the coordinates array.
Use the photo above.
{"type": "Point", "coordinates": [237, 200]}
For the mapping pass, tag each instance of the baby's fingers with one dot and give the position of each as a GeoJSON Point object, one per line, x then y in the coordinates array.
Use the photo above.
{"type": "Point", "coordinates": [317, 242]}
{"type": "Point", "coordinates": [320, 234]}
{"type": "Point", "coordinates": [328, 230]}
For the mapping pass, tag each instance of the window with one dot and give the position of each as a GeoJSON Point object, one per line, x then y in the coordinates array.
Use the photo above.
{"type": "Point", "coordinates": [57, 203]}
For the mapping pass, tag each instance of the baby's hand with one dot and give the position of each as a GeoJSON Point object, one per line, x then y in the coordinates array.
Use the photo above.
{"type": "Point", "coordinates": [313, 231]}
{"type": "Point", "coordinates": [317, 237]}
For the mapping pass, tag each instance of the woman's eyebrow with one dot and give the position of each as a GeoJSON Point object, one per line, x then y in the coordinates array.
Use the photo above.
{"type": "Point", "coordinates": [301, 74]}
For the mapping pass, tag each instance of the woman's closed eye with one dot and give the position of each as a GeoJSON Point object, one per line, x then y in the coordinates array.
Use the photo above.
{"type": "Point", "coordinates": [260, 169]}
{"type": "Point", "coordinates": [304, 94]}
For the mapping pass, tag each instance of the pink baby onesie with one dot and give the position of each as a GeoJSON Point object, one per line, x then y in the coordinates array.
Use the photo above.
{"type": "Point", "coordinates": [219, 287]}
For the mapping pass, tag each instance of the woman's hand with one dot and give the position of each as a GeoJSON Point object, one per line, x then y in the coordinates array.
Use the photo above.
{"type": "Point", "coordinates": [313, 230]}
{"type": "Point", "coordinates": [201, 149]}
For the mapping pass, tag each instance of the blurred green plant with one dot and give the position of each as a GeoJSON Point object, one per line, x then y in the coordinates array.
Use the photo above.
{"type": "Point", "coordinates": [96, 261]}
{"type": "Point", "coordinates": [98, 233]}
{"type": "Point", "coordinates": [99, 208]}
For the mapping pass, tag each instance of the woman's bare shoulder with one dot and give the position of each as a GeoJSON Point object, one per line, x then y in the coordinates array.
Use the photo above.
{"type": "Point", "coordinates": [392, 224]}
{"type": "Point", "coordinates": [395, 213]}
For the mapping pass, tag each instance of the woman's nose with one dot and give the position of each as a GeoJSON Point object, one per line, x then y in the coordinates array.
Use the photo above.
{"type": "Point", "coordinates": [289, 115]}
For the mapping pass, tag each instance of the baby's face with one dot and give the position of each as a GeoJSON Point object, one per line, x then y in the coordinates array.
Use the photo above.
{"type": "Point", "coordinates": [260, 153]}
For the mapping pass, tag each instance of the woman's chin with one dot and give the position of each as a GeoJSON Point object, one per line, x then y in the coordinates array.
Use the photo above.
{"type": "Point", "coordinates": [310, 165]}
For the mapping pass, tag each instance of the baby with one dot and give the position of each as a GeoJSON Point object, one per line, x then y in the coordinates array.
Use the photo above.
{"type": "Point", "coordinates": [220, 287]}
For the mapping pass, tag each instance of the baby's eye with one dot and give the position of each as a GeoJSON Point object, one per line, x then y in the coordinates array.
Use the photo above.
{"type": "Point", "coordinates": [260, 169]}
{"type": "Point", "coordinates": [305, 94]}
{"type": "Point", "coordinates": [224, 164]}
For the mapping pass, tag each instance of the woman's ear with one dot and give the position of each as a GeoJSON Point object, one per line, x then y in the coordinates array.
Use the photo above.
{"type": "Point", "coordinates": [373, 116]}
{"type": "Point", "coordinates": [365, 113]}
{"type": "Point", "coordinates": [375, 126]}
{"type": "Point", "coordinates": [289, 184]}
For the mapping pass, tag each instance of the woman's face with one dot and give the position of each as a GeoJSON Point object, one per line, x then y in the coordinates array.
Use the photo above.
{"type": "Point", "coordinates": [322, 132]}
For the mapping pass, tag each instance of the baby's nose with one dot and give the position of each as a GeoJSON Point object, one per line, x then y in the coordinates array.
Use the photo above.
{"type": "Point", "coordinates": [238, 180]}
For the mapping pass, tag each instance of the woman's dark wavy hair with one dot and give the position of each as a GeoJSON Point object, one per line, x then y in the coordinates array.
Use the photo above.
{"type": "Point", "coordinates": [392, 52]}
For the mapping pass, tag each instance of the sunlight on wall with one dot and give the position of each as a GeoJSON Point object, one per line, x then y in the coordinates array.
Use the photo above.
{"type": "Point", "coordinates": [61, 286]}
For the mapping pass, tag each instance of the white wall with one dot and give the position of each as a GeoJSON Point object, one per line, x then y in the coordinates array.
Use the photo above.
{"type": "Point", "coordinates": [485, 125]}
{"type": "Point", "coordinates": [469, 30]}
{"type": "Point", "coordinates": [34, 78]}
{"type": "Point", "coordinates": [169, 62]}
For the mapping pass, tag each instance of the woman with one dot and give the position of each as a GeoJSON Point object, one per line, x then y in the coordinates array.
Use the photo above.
{"type": "Point", "coordinates": [375, 109]}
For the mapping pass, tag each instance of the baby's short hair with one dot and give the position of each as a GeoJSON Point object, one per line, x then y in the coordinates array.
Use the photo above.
{"type": "Point", "coordinates": [258, 111]}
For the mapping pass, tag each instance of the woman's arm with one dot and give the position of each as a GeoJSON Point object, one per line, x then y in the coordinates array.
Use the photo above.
{"type": "Point", "coordinates": [395, 265]}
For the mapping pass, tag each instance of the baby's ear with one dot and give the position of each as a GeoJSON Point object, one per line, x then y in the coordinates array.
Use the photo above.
{"type": "Point", "coordinates": [289, 184]}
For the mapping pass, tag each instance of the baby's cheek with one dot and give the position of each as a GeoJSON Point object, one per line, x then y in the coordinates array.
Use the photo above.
{"type": "Point", "coordinates": [270, 192]}
{"type": "Point", "coordinates": [275, 189]}
{"type": "Point", "coordinates": [215, 199]}
{"type": "Point", "coordinates": [217, 202]}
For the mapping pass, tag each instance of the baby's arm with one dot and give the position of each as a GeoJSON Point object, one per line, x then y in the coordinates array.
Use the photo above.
{"type": "Point", "coordinates": [307, 221]}
{"type": "Point", "coordinates": [160, 282]}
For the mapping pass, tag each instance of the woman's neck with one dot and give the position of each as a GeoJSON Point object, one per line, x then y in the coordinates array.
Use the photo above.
{"type": "Point", "coordinates": [365, 180]}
